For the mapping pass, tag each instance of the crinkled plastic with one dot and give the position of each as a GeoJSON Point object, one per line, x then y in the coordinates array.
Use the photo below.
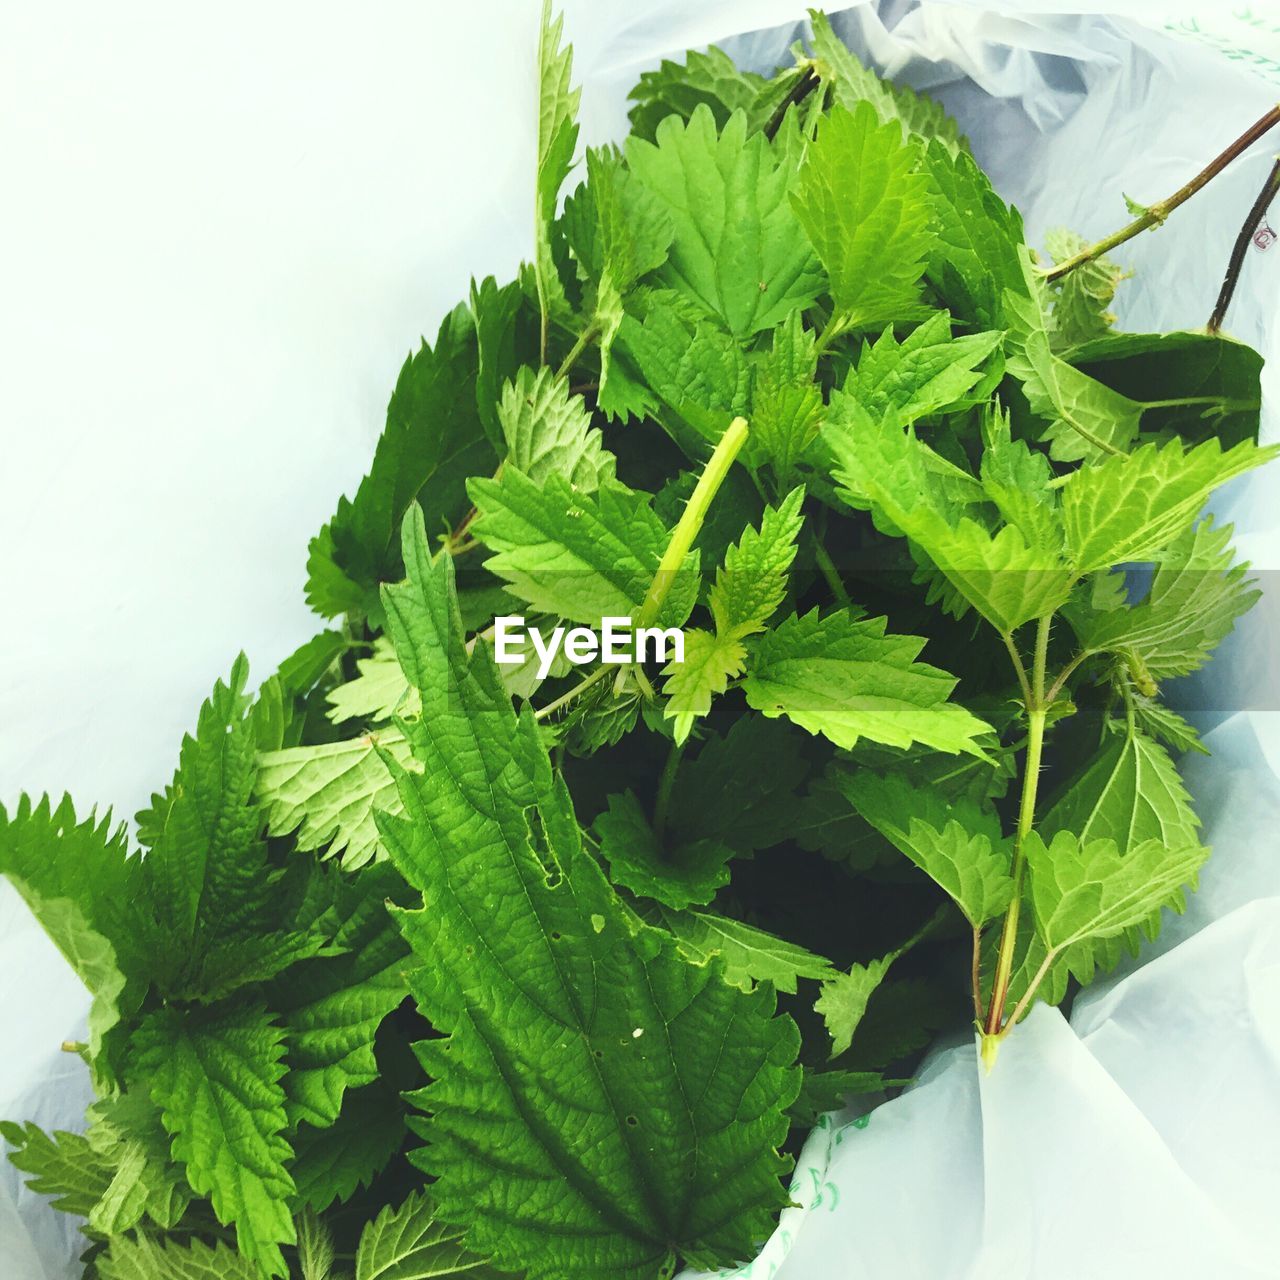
{"type": "Point", "coordinates": [1141, 1136]}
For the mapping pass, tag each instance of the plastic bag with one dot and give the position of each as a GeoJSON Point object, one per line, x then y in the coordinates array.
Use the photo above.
{"type": "Point", "coordinates": [1140, 1138]}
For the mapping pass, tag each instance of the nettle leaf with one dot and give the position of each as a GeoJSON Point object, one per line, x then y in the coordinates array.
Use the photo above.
{"type": "Point", "coordinates": [848, 679]}
{"type": "Point", "coordinates": [676, 874]}
{"type": "Point", "coordinates": [844, 998]}
{"type": "Point", "coordinates": [927, 373]}
{"type": "Point", "coordinates": [557, 138]}
{"type": "Point", "coordinates": [1195, 596]}
{"type": "Point", "coordinates": [1131, 507]}
{"type": "Point", "coordinates": [698, 372]}
{"type": "Point", "coordinates": [576, 556]}
{"type": "Point", "coordinates": [1019, 481]}
{"type": "Point", "coordinates": [786, 402]}
{"type": "Point", "coordinates": [912, 492]}
{"type": "Point", "coordinates": [378, 692]}
{"type": "Point", "coordinates": [916, 114]}
{"type": "Point", "coordinates": [559, 1172]}
{"type": "Point", "coordinates": [408, 1242]}
{"type": "Point", "coordinates": [549, 432]}
{"type": "Point", "coordinates": [433, 440]}
{"type": "Point", "coordinates": [1083, 297]}
{"type": "Point", "coordinates": [62, 1165]}
{"type": "Point", "coordinates": [141, 1258]}
{"type": "Point", "coordinates": [506, 339]}
{"type": "Point", "coordinates": [128, 1131]}
{"type": "Point", "coordinates": [748, 589]}
{"type": "Point", "coordinates": [865, 209]}
{"type": "Point", "coordinates": [975, 251]}
{"type": "Point", "coordinates": [77, 878]}
{"type": "Point", "coordinates": [749, 955]}
{"type": "Point", "coordinates": [1090, 889]}
{"type": "Point", "coordinates": [328, 793]}
{"type": "Point", "coordinates": [727, 198]}
{"type": "Point", "coordinates": [216, 1077]}
{"type": "Point", "coordinates": [707, 79]}
{"type": "Point", "coordinates": [331, 1009]}
{"type": "Point", "coordinates": [332, 1164]}
{"type": "Point", "coordinates": [971, 863]}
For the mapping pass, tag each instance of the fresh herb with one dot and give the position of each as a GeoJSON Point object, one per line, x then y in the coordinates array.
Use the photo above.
{"type": "Point", "coordinates": [429, 963]}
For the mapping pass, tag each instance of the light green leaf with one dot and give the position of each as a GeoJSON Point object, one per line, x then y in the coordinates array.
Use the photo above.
{"type": "Point", "coordinates": [127, 1130]}
{"type": "Point", "coordinates": [865, 209]}
{"type": "Point", "coordinates": [379, 692]}
{"type": "Point", "coordinates": [62, 1165]}
{"type": "Point", "coordinates": [216, 1077]}
{"type": "Point", "coordinates": [727, 198]}
{"type": "Point", "coordinates": [844, 999]}
{"type": "Point", "coordinates": [408, 1243]}
{"type": "Point", "coordinates": [928, 372]}
{"type": "Point", "coordinates": [1083, 296]}
{"type": "Point", "coordinates": [549, 432]}
{"type": "Point", "coordinates": [970, 866]}
{"type": "Point", "coordinates": [848, 680]}
{"type": "Point", "coordinates": [710, 662]}
{"type": "Point", "coordinates": [749, 955]}
{"type": "Point", "coordinates": [1090, 889]}
{"type": "Point", "coordinates": [141, 1258]}
{"type": "Point", "coordinates": [557, 138]}
{"type": "Point", "coordinates": [751, 583]}
{"type": "Point", "coordinates": [786, 402]}
{"type": "Point", "coordinates": [576, 556]}
{"type": "Point", "coordinates": [675, 88]}
{"type": "Point", "coordinates": [328, 793]}
{"type": "Point", "coordinates": [916, 114]}
{"type": "Point", "coordinates": [1131, 507]}
{"type": "Point", "coordinates": [1195, 597]}
{"type": "Point", "coordinates": [618, 1133]}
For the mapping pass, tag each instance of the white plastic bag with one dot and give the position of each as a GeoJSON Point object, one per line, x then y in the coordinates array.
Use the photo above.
{"type": "Point", "coordinates": [1142, 1137]}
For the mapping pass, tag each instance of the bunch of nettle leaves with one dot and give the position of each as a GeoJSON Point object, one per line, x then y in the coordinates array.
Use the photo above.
{"type": "Point", "coordinates": [414, 939]}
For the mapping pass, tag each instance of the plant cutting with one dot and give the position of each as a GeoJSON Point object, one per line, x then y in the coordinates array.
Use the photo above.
{"type": "Point", "coordinates": [477, 940]}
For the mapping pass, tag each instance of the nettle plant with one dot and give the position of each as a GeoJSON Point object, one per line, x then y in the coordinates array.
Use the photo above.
{"type": "Point", "coordinates": [427, 965]}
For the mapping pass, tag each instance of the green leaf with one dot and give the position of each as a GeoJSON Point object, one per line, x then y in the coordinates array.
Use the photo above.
{"type": "Point", "coordinates": [303, 669]}
{"type": "Point", "coordinates": [929, 372]}
{"type": "Point", "coordinates": [377, 693]}
{"type": "Point", "coordinates": [749, 955]}
{"type": "Point", "coordinates": [328, 793]}
{"type": "Point", "coordinates": [848, 679]}
{"type": "Point", "coordinates": [696, 369]}
{"type": "Point", "coordinates": [707, 79]}
{"type": "Point", "coordinates": [506, 339]}
{"type": "Point", "coordinates": [748, 589]}
{"type": "Point", "coordinates": [824, 1091]}
{"type": "Point", "coordinates": [1090, 889]}
{"type": "Point", "coordinates": [141, 1258]}
{"type": "Point", "coordinates": [409, 1243]}
{"type": "Point", "coordinates": [576, 556]}
{"type": "Point", "coordinates": [865, 209]}
{"type": "Point", "coordinates": [971, 864]}
{"type": "Point", "coordinates": [844, 998]}
{"type": "Point", "coordinates": [557, 138]}
{"type": "Point", "coordinates": [727, 198]}
{"type": "Point", "coordinates": [79, 882]}
{"type": "Point", "coordinates": [1131, 507]}
{"type": "Point", "coordinates": [676, 874]}
{"type": "Point", "coordinates": [62, 1165]}
{"type": "Point", "coordinates": [1083, 296]}
{"type": "Point", "coordinates": [331, 1008]}
{"type": "Point", "coordinates": [578, 1136]}
{"type": "Point", "coordinates": [912, 492]}
{"type": "Point", "coordinates": [549, 432]}
{"type": "Point", "coordinates": [216, 1077]}
{"type": "Point", "coordinates": [916, 114]}
{"type": "Point", "coordinates": [433, 440]}
{"type": "Point", "coordinates": [975, 251]}
{"type": "Point", "coordinates": [786, 402]}
{"type": "Point", "coordinates": [1191, 606]}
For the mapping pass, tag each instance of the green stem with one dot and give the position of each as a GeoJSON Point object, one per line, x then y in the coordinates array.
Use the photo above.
{"type": "Point", "coordinates": [1158, 212]}
{"type": "Point", "coordinates": [1178, 403]}
{"type": "Point", "coordinates": [1036, 714]}
{"type": "Point", "coordinates": [585, 338]}
{"type": "Point", "coordinates": [578, 689]}
{"type": "Point", "coordinates": [827, 568]}
{"type": "Point", "coordinates": [838, 323]}
{"type": "Point", "coordinates": [662, 802]}
{"type": "Point", "coordinates": [691, 519]}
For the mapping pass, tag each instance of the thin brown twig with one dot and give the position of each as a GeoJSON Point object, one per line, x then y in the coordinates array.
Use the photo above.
{"type": "Point", "coordinates": [1158, 212]}
{"type": "Point", "coordinates": [798, 92]}
{"type": "Point", "coordinates": [1257, 211]}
